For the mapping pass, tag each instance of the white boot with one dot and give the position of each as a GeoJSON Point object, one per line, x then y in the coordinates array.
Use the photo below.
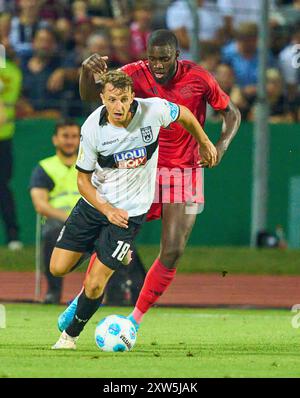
{"type": "Point", "coordinates": [65, 342]}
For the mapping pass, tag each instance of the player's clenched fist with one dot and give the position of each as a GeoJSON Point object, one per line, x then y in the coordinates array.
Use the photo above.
{"type": "Point", "coordinates": [95, 64]}
{"type": "Point", "coordinates": [117, 217]}
{"type": "Point", "coordinates": [209, 154]}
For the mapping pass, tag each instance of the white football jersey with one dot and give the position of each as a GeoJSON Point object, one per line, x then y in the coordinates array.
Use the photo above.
{"type": "Point", "coordinates": [124, 160]}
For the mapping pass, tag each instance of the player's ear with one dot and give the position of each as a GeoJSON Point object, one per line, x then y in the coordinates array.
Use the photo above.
{"type": "Point", "coordinates": [54, 140]}
{"type": "Point", "coordinates": [102, 98]}
{"type": "Point", "coordinates": [132, 95]}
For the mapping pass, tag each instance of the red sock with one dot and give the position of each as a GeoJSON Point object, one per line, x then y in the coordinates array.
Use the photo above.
{"type": "Point", "coordinates": [157, 280]}
{"type": "Point", "coordinates": [91, 263]}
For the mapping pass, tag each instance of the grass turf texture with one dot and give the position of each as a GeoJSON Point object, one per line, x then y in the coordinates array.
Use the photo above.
{"type": "Point", "coordinates": [235, 260]}
{"type": "Point", "coordinates": [171, 343]}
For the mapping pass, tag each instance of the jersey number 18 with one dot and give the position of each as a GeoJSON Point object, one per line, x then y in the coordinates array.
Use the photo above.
{"type": "Point", "coordinates": [121, 250]}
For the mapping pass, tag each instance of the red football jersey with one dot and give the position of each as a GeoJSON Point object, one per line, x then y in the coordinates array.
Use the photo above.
{"type": "Point", "coordinates": [193, 87]}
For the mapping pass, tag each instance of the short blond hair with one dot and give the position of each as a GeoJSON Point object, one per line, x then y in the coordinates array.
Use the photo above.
{"type": "Point", "coordinates": [246, 29]}
{"type": "Point", "coordinates": [118, 79]}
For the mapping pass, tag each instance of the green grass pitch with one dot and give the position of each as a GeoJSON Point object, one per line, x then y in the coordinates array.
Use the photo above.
{"type": "Point", "coordinates": [172, 342]}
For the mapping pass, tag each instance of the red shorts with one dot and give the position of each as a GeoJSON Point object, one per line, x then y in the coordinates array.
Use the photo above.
{"type": "Point", "coordinates": [176, 186]}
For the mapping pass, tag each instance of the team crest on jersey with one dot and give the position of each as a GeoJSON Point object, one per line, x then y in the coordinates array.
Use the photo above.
{"type": "Point", "coordinates": [131, 159]}
{"type": "Point", "coordinates": [147, 134]}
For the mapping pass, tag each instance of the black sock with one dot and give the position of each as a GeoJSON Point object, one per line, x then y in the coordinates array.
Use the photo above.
{"type": "Point", "coordinates": [86, 308]}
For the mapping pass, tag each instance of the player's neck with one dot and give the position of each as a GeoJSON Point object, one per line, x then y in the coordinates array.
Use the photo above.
{"type": "Point", "coordinates": [67, 160]}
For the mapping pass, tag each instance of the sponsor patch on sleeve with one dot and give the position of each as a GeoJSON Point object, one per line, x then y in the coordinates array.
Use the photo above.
{"type": "Point", "coordinates": [174, 110]}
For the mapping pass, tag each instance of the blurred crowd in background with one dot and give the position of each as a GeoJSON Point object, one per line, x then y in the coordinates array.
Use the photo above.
{"type": "Point", "coordinates": [47, 40]}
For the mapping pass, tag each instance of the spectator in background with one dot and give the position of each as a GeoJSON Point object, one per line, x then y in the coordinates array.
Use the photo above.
{"type": "Point", "coordinates": [24, 27]}
{"type": "Point", "coordinates": [242, 56]}
{"type": "Point", "coordinates": [140, 29]}
{"type": "Point", "coordinates": [51, 10]}
{"type": "Point", "coordinates": [64, 80]}
{"type": "Point", "coordinates": [79, 11]}
{"type": "Point", "coordinates": [7, 6]}
{"type": "Point", "coordinates": [289, 14]}
{"type": "Point", "coordinates": [280, 110]}
{"type": "Point", "coordinates": [159, 14]}
{"type": "Point", "coordinates": [210, 56]}
{"type": "Point", "coordinates": [291, 74]}
{"type": "Point", "coordinates": [40, 98]}
{"type": "Point", "coordinates": [99, 8]}
{"type": "Point", "coordinates": [180, 21]}
{"type": "Point", "coordinates": [120, 39]}
{"type": "Point", "coordinates": [67, 75]}
{"type": "Point", "coordinates": [5, 25]}
{"type": "Point", "coordinates": [236, 12]}
{"type": "Point", "coordinates": [278, 38]}
{"type": "Point", "coordinates": [109, 14]}
{"type": "Point", "coordinates": [100, 43]}
{"type": "Point", "coordinates": [64, 32]}
{"type": "Point", "coordinates": [81, 31]}
{"type": "Point", "coordinates": [224, 75]}
{"type": "Point", "coordinates": [54, 192]}
{"type": "Point", "coordinates": [10, 88]}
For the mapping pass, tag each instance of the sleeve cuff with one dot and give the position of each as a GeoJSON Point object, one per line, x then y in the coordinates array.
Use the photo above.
{"type": "Point", "coordinates": [84, 171]}
{"type": "Point", "coordinates": [178, 114]}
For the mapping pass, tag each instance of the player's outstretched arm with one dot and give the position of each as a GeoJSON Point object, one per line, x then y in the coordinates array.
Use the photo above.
{"type": "Point", "coordinates": [40, 200]}
{"type": "Point", "coordinates": [91, 69]}
{"type": "Point", "coordinates": [207, 149]}
{"type": "Point", "coordinates": [231, 122]}
{"type": "Point", "coordinates": [114, 215]}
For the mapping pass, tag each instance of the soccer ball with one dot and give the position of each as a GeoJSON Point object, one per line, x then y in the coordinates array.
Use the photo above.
{"type": "Point", "coordinates": [115, 333]}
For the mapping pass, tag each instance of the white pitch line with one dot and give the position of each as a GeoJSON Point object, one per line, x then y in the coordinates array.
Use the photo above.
{"type": "Point", "coordinates": [223, 315]}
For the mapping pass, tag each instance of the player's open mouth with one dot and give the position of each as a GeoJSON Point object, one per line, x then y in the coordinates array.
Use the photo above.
{"type": "Point", "coordinates": [159, 75]}
{"type": "Point", "coordinates": [118, 115]}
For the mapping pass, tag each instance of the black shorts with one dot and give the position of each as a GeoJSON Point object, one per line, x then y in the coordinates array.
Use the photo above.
{"type": "Point", "coordinates": [87, 230]}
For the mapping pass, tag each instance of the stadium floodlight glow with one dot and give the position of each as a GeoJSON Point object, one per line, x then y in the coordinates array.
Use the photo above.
{"type": "Point", "coordinates": [2, 56]}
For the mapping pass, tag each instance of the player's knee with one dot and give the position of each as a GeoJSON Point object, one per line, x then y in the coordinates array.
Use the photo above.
{"type": "Point", "coordinates": [169, 255]}
{"type": "Point", "coordinates": [93, 289]}
{"type": "Point", "coordinates": [56, 269]}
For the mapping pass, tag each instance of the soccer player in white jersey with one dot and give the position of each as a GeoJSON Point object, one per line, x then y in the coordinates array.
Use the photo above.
{"type": "Point", "coordinates": [116, 165]}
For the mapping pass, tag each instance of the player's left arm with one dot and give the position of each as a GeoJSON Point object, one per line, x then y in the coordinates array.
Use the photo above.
{"type": "Point", "coordinates": [170, 112]}
{"type": "Point", "coordinates": [221, 102]}
{"type": "Point", "coordinates": [207, 149]}
{"type": "Point", "coordinates": [231, 122]}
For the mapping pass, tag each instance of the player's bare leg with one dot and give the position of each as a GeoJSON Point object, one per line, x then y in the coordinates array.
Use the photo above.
{"type": "Point", "coordinates": [66, 317]}
{"type": "Point", "coordinates": [91, 297]}
{"type": "Point", "coordinates": [62, 261]}
{"type": "Point", "coordinates": [88, 302]}
{"type": "Point", "coordinates": [176, 228]}
{"type": "Point", "coordinates": [177, 223]}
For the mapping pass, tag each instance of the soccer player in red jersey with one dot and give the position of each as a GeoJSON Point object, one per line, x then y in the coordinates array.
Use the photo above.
{"type": "Point", "coordinates": [186, 83]}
